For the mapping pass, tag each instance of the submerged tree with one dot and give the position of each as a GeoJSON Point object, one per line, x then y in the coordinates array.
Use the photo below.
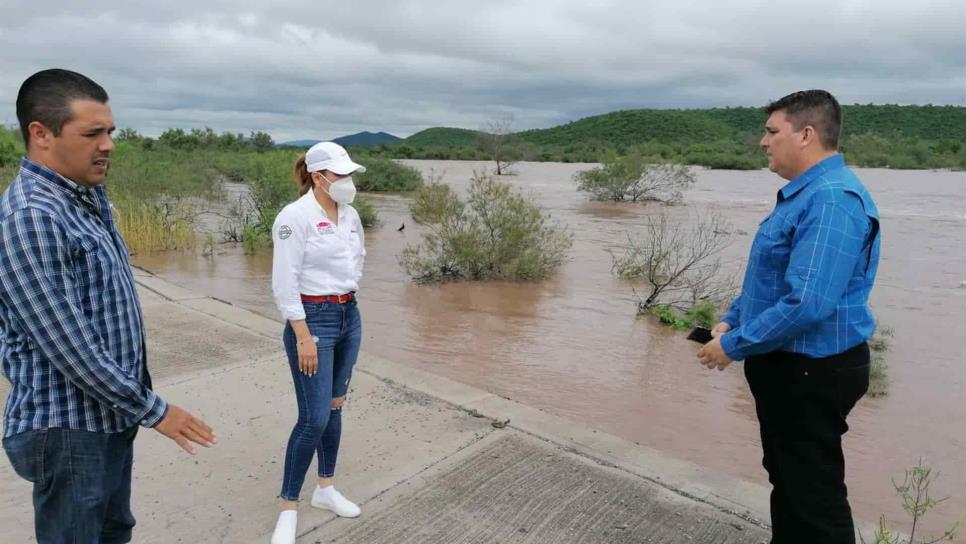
{"type": "Point", "coordinates": [678, 265]}
{"type": "Point", "coordinates": [631, 178]}
{"type": "Point", "coordinates": [496, 141]}
{"type": "Point", "coordinates": [495, 234]}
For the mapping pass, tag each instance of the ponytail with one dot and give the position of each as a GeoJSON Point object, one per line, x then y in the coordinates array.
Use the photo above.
{"type": "Point", "coordinates": [302, 176]}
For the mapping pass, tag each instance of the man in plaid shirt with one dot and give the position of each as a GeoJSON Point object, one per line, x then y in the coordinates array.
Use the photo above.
{"type": "Point", "coordinates": [802, 319]}
{"type": "Point", "coordinates": [71, 329]}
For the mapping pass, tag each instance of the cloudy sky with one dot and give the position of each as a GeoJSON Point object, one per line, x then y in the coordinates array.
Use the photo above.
{"type": "Point", "coordinates": [321, 69]}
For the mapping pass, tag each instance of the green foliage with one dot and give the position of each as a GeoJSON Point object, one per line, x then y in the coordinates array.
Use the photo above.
{"type": "Point", "coordinates": [261, 141]}
{"type": "Point", "coordinates": [917, 501]}
{"type": "Point", "coordinates": [879, 372]}
{"type": "Point", "coordinates": [254, 237]}
{"type": "Point", "coordinates": [206, 138]}
{"type": "Point", "coordinates": [383, 174]}
{"type": "Point", "coordinates": [495, 234]}
{"type": "Point", "coordinates": [154, 225]}
{"type": "Point", "coordinates": [672, 317]}
{"type": "Point", "coordinates": [435, 203]}
{"type": "Point", "coordinates": [11, 147]}
{"type": "Point", "coordinates": [630, 177]}
{"type": "Point", "coordinates": [208, 249]}
{"type": "Point", "coordinates": [272, 187]}
{"type": "Point", "coordinates": [703, 314]}
{"type": "Point", "coordinates": [442, 137]}
{"type": "Point", "coordinates": [367, 211]}
{"type": "Point", "coordinates": [908, 137]}
{"type": "Point", "coordinates": [159, 171]}
{"type": "Point", "coordinates": [128, 135]}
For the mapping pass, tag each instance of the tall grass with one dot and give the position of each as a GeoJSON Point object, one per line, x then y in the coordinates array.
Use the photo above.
{"type": "Point", "coordinates": [148, 226]}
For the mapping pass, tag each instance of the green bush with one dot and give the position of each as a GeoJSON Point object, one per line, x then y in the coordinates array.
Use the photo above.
{"type": "Point", "coordinates": [384, 174]}
{"type": "Point", "coordinates": [703, 314]}
{"type": "Point", "coordinates": [496, 234]}
{"type": "Point", "coordinates": [270, 179]}
{"type": "Point", "coordinates": [11, 148]}
{"type": "Point", "coordinates": [631, 177]}
{"type": "Point", "coordinates": [367, 211]}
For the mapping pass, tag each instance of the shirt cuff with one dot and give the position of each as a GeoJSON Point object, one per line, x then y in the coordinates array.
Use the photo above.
{"type": "Point", "coordinates": [293, 311]}
{"type": "Point", "coordinates": [728, 344]}
{"type": "Point", "coordinates": [291, 315]}
{"type": "Point", "coordinates": [157, 409]}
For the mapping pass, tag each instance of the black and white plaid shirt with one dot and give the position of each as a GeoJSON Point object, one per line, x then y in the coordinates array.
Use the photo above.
{"type": "Point", "coordinates": [71, 330]}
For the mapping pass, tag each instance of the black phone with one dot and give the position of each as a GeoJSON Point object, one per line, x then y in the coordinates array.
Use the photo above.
{"type": "Point", "coordinates": [700, 335]}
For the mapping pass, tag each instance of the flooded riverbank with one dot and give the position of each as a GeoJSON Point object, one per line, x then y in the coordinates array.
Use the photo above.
{"type": "Point", "coordinates": [573, 346]}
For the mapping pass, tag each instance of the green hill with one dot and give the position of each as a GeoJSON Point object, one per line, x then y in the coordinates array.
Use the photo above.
{"type": "Point", "coordinates": [442, 137]}
{"type": "Point", "coordinates": [875, 135]}
{"type": "Point", "coordinates": [631, 127]}
{"type": "Point", "coordinates": [638, 126]}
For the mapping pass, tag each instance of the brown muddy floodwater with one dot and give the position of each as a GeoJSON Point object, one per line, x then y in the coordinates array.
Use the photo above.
{"type": "Point", "coordinates": [573, 346]}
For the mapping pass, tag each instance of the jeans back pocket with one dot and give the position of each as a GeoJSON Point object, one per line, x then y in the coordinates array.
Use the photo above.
{"type": "Point", "coordinates": [26, 454]}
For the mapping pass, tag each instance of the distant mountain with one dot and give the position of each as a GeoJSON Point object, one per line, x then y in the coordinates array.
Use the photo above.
{"type": "Point", "coordinates": [360, 139]}
{"type": "Point", "coordinates": [363, 139]}
{"type": "Point", "coordinates": [298, 143]}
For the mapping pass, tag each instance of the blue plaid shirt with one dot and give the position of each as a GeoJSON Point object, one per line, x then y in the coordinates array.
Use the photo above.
{"type": "Point", "coordinates": [811, 269]}
{"type": "Point", "coordinates": [71, 330]}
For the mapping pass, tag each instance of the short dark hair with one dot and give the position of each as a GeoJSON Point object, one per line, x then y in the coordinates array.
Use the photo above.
{"type": "Point", "coordinates": [45, 97]}
{"type": "Point", "coordinates": [816, 108]}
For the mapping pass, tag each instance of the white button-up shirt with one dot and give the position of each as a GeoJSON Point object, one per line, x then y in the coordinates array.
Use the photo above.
{"type": "Point", "coordinates": [313, 256]}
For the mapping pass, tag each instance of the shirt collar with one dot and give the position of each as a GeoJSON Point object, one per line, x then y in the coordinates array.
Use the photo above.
{"type": "Point", "coordinates": [308, 199]}
{"type": "Point", "coordinates": [794, 186]}
{"type": "Point", "coordinates": [48, 175]}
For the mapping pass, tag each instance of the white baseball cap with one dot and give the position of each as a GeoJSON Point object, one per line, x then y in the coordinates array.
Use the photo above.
{"type": "Point", "coordinates": [332, 157]}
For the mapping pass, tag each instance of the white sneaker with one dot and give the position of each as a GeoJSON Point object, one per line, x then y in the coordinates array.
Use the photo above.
{"type": "Point", "coordinates": [330, 499]}
{"type": "Point", "coordinates": [285, 527]}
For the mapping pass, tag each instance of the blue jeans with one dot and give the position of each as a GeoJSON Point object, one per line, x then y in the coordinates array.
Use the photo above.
{"type": "Point", "coordinates": [318, 430]}
{"type": "Point", "coordinates": [82, 483]}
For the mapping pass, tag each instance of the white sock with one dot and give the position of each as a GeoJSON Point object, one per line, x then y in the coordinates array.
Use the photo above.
{"type": "Point", "coordinates": [325, 491]}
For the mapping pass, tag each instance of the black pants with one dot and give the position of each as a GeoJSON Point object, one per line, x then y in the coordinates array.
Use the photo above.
{"type": "Point", "coordinates": [802, 404]}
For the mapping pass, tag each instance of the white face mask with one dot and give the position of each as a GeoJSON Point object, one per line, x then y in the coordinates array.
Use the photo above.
{"type": "Point", "coordinates": [342, 191]}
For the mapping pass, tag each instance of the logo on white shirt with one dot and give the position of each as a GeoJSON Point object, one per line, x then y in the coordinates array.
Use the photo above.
{"type": "Point", "coordinates": [325, 227]}
{"type": "Point", "coordinates": [284, 231]}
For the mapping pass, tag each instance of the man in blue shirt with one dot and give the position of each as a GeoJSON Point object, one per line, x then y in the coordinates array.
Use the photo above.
{"type": "Point", "coordinates": [71, 329]}
{"type": "Point", "coordinates": [802, 319]}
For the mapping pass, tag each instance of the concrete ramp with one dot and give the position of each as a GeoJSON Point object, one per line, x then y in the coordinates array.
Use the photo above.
{"type": "Point", "coordinates": [520, 489]}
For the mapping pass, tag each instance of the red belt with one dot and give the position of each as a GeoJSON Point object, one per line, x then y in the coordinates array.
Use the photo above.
{"type": "Point", "coordinates": [338, 299]}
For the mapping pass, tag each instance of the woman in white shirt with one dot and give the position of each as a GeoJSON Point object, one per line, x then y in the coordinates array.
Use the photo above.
{"type": "Point", "coordinates": [318, 258]}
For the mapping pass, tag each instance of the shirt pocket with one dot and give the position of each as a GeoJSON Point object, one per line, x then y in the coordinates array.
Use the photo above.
{"type": "Point", "coordinates": [772, 246]}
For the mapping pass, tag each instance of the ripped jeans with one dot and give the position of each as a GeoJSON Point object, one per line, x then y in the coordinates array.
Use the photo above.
{"type": "Point", "coordinates": [318, 430]}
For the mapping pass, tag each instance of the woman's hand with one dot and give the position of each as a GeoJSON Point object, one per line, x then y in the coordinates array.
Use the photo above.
{"type": "Point", "coordinates": [308, 355]}
{"type": "Point", "coordinates": [308, 351]}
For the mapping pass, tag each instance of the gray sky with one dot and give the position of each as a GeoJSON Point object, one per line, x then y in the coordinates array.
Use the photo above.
{"type": "Point", "coordinates": [317, 69]}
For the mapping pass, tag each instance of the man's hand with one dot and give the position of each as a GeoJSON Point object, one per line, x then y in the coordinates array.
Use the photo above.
{"type": "Point", "coordinates": [712, 355]}
{"type": "Point", "coordinates": [182, 427]}
{"type": "Point", "coordinates": [720, 329]}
